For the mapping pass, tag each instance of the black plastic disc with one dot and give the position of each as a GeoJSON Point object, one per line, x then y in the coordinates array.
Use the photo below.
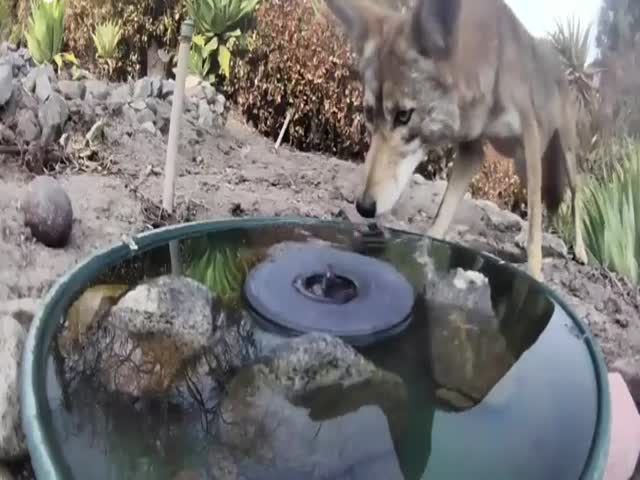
{"type": "Point", "coordinates": [305, 288]}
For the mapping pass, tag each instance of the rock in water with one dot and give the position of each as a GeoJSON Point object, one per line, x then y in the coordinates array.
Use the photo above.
{"type": "Point", "coordinates": [6, 82]}
{"type": "Point", "coordinates": [150, 336]}
{"type": "Point", "coordinates": [48, 212]}
{"type": "Point", "coordinates": [12, 439]}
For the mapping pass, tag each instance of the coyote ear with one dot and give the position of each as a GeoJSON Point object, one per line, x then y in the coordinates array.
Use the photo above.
{"type": "Point", "coordinates": [359, 20]}
{"type": "Point", "coordinates": [433, 27]}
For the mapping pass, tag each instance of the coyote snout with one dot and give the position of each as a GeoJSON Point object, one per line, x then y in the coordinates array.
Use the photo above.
{"type": "Point", "coordinates": [464, 72]}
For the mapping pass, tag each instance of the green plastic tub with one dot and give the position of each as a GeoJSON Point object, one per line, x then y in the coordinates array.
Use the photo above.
{"type": "Point", "coordinates": [556, 390]}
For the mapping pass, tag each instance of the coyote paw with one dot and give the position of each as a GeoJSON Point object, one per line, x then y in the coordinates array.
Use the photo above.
{"type": "Point", "coordinates": [580, 254]}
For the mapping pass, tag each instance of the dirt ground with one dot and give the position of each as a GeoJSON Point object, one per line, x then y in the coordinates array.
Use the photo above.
{"type": "Point", "coordinates": [235, 172]}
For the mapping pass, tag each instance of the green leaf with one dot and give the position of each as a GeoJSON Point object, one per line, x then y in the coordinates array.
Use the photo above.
{"type": "Point", "coordinates": [224, 60]}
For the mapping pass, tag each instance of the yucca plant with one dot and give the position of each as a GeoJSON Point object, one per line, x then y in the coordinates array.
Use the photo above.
{"type": "Point", "coordinates": [105, 39]}
{"type": "Point", "coordinates": [216, 23]}
{"type": "Point", "coordinates": [572, 42]}
{"type": "Point", "coordinates": [45, 30]}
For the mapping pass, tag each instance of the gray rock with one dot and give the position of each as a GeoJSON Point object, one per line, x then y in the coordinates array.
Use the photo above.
{"type": "Point", "coordinates": [138, 105]}
{"type": "Point", "coordinates": [156, 87]}
{"type": "Point", "coordinates": [48, 212]}
{"type": "Point", "coordinates": [160, 108]}
{"type": "Point", "coordinates": [119, 98]}
{"type": "Point", "coordinates": [552, 245]}
{"type": "Point", "coordinates": [129, 114]}
{"type": "Point", "coordinates": [178, 307]}
{"type": "Point", "coordinates": [142, 89]}
{"type": "Point", "coordinates": [145, 116]}
{"type": "Point", "coordinates": [43, 87]}
{"type": "Point", "coordinates": [206, 118]}
{"type": "Point", "coordinates": [151, 335]}
{"type": "Point", "coordinates": [12, 439]}
{"type": "Point", "coordinates": [168, 87]}
{"type": "Point", "coordinates": [629, 368]}
{"type": "Point", "coordinates": [6, 135]}
{"type": "Point", "coordinates": [53, 115]}
{"type": "Point", "coordinates": [209, 92]}
{"type": "Point", "coordinates": [219, 104]}
{"type": "Point", "coordinates": [83, 110]}
{"type": "Point", "coordinates": [29, 82]}
{"type": "Point", "coordinates": [149, 127]}
{"type": "Point", "coordinates": [273, 411]}
{"type": "Point", "coordinates": [72, 89]}
{"type": "Point", "coordinates": [6, 82]}
{"type": "Point", "coordinates": [500, 219]}
{"type": "Point", "coordinates": [27, 126]}
{"type": "Point", "coordinates": [96, 89]}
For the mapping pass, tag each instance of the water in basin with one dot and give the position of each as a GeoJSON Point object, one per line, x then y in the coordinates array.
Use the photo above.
{"type": "Point", "coordinates": [489, 380]}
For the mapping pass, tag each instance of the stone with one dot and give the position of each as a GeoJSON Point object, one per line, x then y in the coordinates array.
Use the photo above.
{"type": "Point", "coordinates": [300, 408]}
{"type": "Point", "coordinates": [43, 88]}
{"type": "Point", "coordinates": [156, 87]}
{"type": "Point", "coordinates": [48, 212]}
{"type": "Point", "coordinates": [552, 245]}
{"type": "Point", "coordinates": [503, 220]}
{"type": "Point", "coordinates": [158, 327]}
{"type": "Point", "coordinates": [12, 439]}
{"type": "Point", "coordinates": [6, 82]}
{"type": "Point", "coordinates": [168, 87]}
{"type": "Point", "coordinates": [145, 116]}
{"type": "Point", "coordinates": [138, 105]}
{"type": "Point", "coordinates": [71, 89]}
{"type": "Point", "coordinates": [6, 135]}
{"type": "Point", "coordinates": [206, 118]}
{"type": "Point", "coordinates": [466, 335]}
{"type": "Point", "coordinates": [624, 446]}
{"type": "Point", "coordinates": [53, 115]}
{"type": "Point", "coordinates": [81, 109]}
{"type": "Point", "coordinates": [118, 98]}
{"type": "Point", "coordinates": [219, 104]}
{"type": "Point", "coordinates": [27, 129]}
{"type": "Point", "coordinates": [148, 127]}
{"type": "Point", "coordinates": [142, 89]}
{"type": "Point", "coordinates": [30, 81]}
{"type": "Point", "coordinates": [209, 92]}
{"type": "Point", "coordinates": [96, 89]}
{"type": "Point", "coordinates": [629, 368]}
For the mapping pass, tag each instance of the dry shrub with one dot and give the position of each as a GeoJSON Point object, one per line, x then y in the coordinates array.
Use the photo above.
{"type": "Point", "coordinates": [299, 61]}
{"type": "Point", "coordinates": [143, 21]}
{"type": "Point", "coordinates": [498, 182]}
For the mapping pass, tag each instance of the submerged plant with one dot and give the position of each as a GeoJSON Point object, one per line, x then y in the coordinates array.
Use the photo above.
{"type": "Point", "coordinates": [223, 270]}
{"type": "Point", "coordinates": [45, 30]}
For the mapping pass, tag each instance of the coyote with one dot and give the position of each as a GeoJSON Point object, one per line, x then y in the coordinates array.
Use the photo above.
{"type": "Point", "coordinates": [464, 72]}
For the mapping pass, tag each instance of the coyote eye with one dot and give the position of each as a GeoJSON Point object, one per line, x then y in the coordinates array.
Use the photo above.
{"type": "Point", "coordinates": [403, 117]}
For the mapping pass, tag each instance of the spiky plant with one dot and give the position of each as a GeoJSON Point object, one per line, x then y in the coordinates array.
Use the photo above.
{"type": "Point", "coordinates": [45, 30]}
{"type": "Point", "coordinates": [105, 39]}
{"type": "Point", "coordinates": [611, 210]}
{"type": "Point", "coordinates": [572, 41]}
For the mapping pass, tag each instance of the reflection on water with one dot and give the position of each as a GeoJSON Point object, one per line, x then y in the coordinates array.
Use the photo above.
{"type": "Point", "coordinates": [486, 383]}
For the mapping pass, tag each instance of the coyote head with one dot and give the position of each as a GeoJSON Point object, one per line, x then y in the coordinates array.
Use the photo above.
{"type": "Point", "coordinates": [409, 100]}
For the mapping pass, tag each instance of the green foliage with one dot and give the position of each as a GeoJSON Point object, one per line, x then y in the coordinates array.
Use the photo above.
{"type": "Point", "coordinates": [106, 38]}
{"type": "Point", "coordinates": [611, 209]}
{"type": "Point", "coordinates": [45, 30]}
{"type": "Point", "coordinates": [6, 19]}
{"type": "Point", "coordinates": [142, 22]}
{"type": "Point", "coordinates": [222, 269]}
{"type": "Point", "coordinates": [217, 25]}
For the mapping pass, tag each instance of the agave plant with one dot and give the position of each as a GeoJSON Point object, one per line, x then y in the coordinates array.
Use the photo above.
{"type": "Point", "coordinates": [216, 22]}
{"type": "Point", "coordinates": [106, 38]}
{"type": "Point", "coordinates": [45, 30]}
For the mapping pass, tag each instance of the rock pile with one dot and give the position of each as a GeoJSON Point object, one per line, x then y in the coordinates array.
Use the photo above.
{"type": "Point", "coordinates": [35, 103]}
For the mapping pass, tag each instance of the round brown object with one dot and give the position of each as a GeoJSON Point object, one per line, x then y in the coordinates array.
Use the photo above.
{"type": "Point", "coordinates": [48, 212]}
